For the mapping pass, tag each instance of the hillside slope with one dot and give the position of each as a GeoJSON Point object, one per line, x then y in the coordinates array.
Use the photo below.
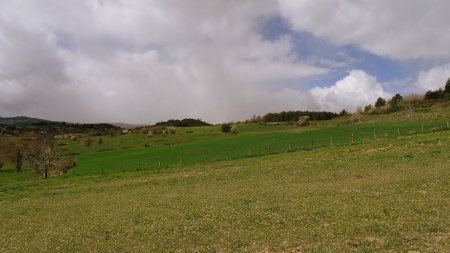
{"type": "Point", "coordinates": [388, 195]}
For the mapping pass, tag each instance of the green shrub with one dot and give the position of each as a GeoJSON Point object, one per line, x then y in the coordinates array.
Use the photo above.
{"type": "Point", "coordinates": [226, 128]}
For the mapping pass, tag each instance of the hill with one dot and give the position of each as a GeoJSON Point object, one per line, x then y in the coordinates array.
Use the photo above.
{"type": "Point", "coordinates": [183, 123]}
{"type": "Point", "coordinates": [21, 120]}
{"type": "Point", "coordinates": [32, 126]}
{"type": "Point", "coordinates": [385, 196]}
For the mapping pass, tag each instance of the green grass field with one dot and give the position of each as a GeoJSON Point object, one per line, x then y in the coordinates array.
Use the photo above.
{"type": "Point", "coordinates": [386, 195]}
{"type": "Point", "coordinates": [268, 188]}
{"type": "Point", "coordinates": [254, 140]}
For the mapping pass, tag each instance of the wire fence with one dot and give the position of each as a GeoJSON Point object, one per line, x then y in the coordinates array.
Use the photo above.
{"type": "Point", "coordinates": [240, 147]}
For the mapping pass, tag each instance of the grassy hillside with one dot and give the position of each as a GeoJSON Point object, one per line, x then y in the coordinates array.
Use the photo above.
{"type": "Point", "coordinates": [384, 195]}
{"type": "Point", "coordinates": [200, 145]}
{"type": "Point", "coordinates": [268, 188]}
{"type": "Point", "coordinates": [128, 153]}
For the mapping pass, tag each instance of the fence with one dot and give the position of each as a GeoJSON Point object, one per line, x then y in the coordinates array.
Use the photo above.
{"type": "Point", "coordinates": [252, 146]}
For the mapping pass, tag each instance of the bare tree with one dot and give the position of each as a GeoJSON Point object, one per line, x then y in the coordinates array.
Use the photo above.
{"type": "Point", "coordinates": [88, 142]}
{"type": "Point", "coordinates": [19, 160]}
{"type": "Point", "coordinates": [42, 155]}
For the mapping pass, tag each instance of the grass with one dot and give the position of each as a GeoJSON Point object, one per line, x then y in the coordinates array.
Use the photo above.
{"type": "Point", "coordinates": [255, 140]}
{"type": "Point", "coordinates": [269, 188]}
{"type": "Point", "coordinates": [384, 195]}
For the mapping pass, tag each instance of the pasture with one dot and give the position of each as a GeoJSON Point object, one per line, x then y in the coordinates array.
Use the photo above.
{"type": "Point", "coordinates": [128, 153]}
{"type": "Point", "coordinates": [381, 185]}
{"type": "Point", "coordinates": [383, 195]}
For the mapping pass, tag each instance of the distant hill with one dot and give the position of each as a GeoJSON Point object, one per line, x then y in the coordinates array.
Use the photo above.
{"type": "Point", "coordinates": [21, 120]}
{"type": "Point", "coordinates": [183, 123]}
{"type": "Point", "coordinates": [17, 125]}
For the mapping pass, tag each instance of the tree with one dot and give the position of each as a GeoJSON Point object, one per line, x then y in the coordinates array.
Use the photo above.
{"type": "Point", "coordinates": [437, 94]}
{"type": "Point", "coordinates": [100, 141]}
{"type": "Point", "coordinates": [88, 142]}
{"type": "Point", "coordinates": [42, 155]}
{"type": "Point", "coordinates": [395, 100]}
{"type": "Point", "coordinates": [380, 102]}
{"type": "Point", "coordinates": [226, 128]}
{"type": "Point", "coordinates": [367, 108]}
{"type": "Point", "coordinates": [19, 160]}
{"type": "Point", "coordinates": [343, 113]}
{"type": "Point", "coordinates": [447, 87]}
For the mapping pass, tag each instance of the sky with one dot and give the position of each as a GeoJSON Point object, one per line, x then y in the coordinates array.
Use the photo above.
{"type": "Point", "coordinates": [144, 61]}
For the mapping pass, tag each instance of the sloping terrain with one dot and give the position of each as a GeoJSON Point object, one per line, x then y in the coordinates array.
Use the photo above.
{"type": "Point", "coordinates": [384, 195]}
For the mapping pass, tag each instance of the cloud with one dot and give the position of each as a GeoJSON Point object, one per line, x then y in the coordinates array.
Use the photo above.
{"type": "Point", "coordinates": [149, 60]}
{"type": "Point", "coordinates": [143, 61]}
{"type": "Point", "coordinates": [401, 29]}
{"type": "Point", "coordinates": [356, 89]}
{"type": "Point", "coordinates": [434, 78]}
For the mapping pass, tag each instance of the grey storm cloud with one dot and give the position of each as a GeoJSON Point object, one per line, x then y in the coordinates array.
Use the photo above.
{"type": "Point", "coordinates": [143, 61]}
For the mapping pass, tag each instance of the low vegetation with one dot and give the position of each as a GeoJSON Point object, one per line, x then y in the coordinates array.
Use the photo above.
{"type": "Point", "coordinates": [373, 181]}
{"type": "Point", "coordinates": [387, 195]}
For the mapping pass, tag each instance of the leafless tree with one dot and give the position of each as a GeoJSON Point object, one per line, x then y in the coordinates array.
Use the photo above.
{"type": "Point", "coordinates": [42, 155]}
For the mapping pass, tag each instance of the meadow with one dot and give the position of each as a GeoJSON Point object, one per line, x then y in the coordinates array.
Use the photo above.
{"type": "Point", "coordinates": [140, 152]}
{"type": "Point", "coordinates": [267, 188]}
{"type": "Point", "coordinates": [383, 195]}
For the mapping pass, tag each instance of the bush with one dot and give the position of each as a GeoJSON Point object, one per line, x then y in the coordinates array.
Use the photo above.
{"type": "Point", "coordinates": [62, 166]}
{"type": "Point", "coordinates": [234, 130]}
{"type": "Point", "coordinates": [368, 108]}
{"type": "Point", "coordinates": [226, 128]}
{"type": "Point", "coordinates": [437, 94]}
{"type": "Point", "coordinates": [411, 102]}
{"type": "Point", "coordinates": [170, 130]}
{"type": "Point", "coordinates": [354, 118]}
{"type": "Point", "coordinates": [303, 121]}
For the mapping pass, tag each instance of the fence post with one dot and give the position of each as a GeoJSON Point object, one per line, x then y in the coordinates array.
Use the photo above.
{"type": "Point", "coordinates": [206, 156]}
{"type": "Point", "coordinates": [159, 165]}
{"type": "Point", "coordinates": [398, 130]}
{"type": "Point", "coordinates": [447, 124]}
{"type": "Point", "coordinates": [269, 148]}
{"type": "Point", "coordinates": [353, 138]}
{"type": "Point", "coordinates": [181, 160]}
{"type": "Point", "coordinates": [374, 134]}
{"type": "Point", "coordinates": [331, 141]}
{"type": "Point", "coordinates": [422, 126]}
{"type": "Point", "coordinates": [312, 144]}
{"type": "Point", "coordinates": [290, 147]}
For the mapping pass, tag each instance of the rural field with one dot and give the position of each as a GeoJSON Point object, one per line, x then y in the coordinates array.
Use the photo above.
{"type": "Point", "coordinates": [225, 126]}
{"type": "Point", "coordinates": [268, 188]}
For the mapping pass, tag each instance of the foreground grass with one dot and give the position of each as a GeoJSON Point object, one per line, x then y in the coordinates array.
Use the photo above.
{"type": "Point", "coordinates": [388, 195]}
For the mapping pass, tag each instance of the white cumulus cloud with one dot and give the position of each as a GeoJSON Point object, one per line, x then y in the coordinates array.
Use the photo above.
{"type": "Point", "coordinates": [356, 89]}
{"type": "Point", "coordinates": [433, 78]}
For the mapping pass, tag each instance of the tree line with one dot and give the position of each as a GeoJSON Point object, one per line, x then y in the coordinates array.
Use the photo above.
{"type": "Point", "coordinates": [295, 115]}
{"type": "Point", "coordinates": [411, 102]}
{"type": "Point", "coordinates": [183, 123]}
